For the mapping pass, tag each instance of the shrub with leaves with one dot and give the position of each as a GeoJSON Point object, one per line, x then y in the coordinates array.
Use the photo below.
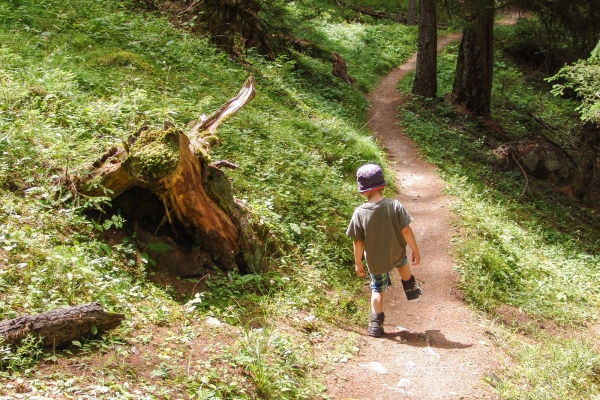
{"type": "Point", "coordinates": [583, 77]}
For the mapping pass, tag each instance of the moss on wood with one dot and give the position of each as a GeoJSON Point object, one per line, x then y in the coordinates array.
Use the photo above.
{"type": "Point", "coordinates": [154, 155]}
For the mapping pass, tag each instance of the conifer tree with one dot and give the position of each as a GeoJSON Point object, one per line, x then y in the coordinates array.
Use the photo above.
{"type": "Point", "coordinates": [425, 83]}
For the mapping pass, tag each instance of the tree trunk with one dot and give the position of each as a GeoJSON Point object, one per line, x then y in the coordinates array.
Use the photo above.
{"type": "Point", "coordinates": [410, 19]}
{"type": "Point", "coordinates": [175, 167]}
{"type": "Point", "coordinates": [425, 83]}
{"type": "Point", "coordinates": [60, 327]}
{"type": "Point", "coordinates": [474, 66]}
{"type": "Point", "coordinates": [221, 26]}
{"type": "Point", "coordinates": [586, 169]}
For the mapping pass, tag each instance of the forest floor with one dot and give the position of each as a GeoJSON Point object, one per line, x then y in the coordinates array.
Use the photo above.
{"type": "Point", "coordinates": [434, 347]}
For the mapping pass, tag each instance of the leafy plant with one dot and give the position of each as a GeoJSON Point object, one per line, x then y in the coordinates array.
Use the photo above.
{"type": "Point", "coordinates": [21, 357]}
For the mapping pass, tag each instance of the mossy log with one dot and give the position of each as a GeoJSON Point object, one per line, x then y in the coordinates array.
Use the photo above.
{"type": "Point", "coordinates": [59, 327]}
{"type": "Point", "coordinates": [175, 166]}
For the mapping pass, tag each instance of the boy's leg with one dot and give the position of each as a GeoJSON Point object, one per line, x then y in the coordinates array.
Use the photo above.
{"type": "Point", "coordinates": [404, 271]}
{"type": "Point", "coordinates": [378, 285]}
{"type": "Point", "coordinates": [411, 288]}
{"type": "Point", "coordinates": [377, 302]}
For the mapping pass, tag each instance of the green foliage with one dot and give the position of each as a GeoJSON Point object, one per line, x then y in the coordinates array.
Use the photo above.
{"type": "Point", "coordinates": [370, 50]}
{"type": "Point", "coordinates": [556, 368]}
{"type": "Point", "coordinates": [22, 356]}
{"type": "Point", "coordinates": [583, 78]}
{"type": "Point", "coordinates": [79, 77]}
{"type": "Point", "coordinates": [569, 28]}
{"type": "Point", "coordinates": [275, 364]}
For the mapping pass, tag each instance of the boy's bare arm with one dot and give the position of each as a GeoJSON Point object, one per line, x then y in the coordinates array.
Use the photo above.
{"type": "Point", "coordinates": [358, 253]}
{"type": "Point", "coordinates": [409, 236]}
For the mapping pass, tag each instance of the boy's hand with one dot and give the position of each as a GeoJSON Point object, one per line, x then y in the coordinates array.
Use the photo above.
{"type": "Point", "coordinates": [358, 246]}
{"type": "Point", "coordinates": [360, 270]}
{"type": "Point", "coordinates": [416, 258]}
{"type": "Point", "coordinates": [409, 236]}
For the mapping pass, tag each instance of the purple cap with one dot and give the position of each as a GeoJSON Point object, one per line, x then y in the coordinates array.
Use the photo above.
{"type": "Point", "coordinates": [370, 177]}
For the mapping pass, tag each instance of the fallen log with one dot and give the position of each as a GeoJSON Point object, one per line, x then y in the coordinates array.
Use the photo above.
{"type": "Point", "coordinates": [394, 16]}
{"type": "Point", "coordinates": [60, 327]}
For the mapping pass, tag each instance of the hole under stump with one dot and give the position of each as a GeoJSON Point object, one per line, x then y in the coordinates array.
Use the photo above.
{"type": "Point", "coordinates": [175, 260]}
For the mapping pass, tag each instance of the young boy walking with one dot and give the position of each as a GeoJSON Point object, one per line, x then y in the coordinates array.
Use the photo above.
{"type": "Point", "coordinates": [381, 228]}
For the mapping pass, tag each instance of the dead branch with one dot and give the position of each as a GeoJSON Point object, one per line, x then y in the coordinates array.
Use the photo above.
{"type": "Point", "coordinates": [555, 130]}
{"type": "Point", "coordinates": [564, 209]}
{"type": "Point", "coordinates": [211, 123]}
{"type": "Point", "coordinates": [512, 153]}
{"type": "Point", "coordinates": [224, 163]}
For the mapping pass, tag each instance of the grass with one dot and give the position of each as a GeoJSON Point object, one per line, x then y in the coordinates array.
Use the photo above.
{"type": "Point", "coordinates": [550, 368]}
{"type": "Point", "coordinates": [535, 251]}
{"type": "Point", "coordinates": [79, 77]}
{"type": "Point", "coordinates": [369, 49]}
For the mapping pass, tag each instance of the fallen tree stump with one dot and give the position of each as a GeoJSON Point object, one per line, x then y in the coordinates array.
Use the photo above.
{"type": "Point", "coordinates": [176, 168]}
{"type": "Point", "coordinates": [339, 68]}
{"type": "Point", "coordinates": [59, 327]}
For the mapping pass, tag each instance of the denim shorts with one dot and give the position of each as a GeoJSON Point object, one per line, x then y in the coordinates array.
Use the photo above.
{"type": "Point", "coordinates": [380, 282]}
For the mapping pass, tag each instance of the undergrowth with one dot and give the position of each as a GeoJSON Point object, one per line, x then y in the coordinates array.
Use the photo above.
{"type": "Point", "coordinates": [79, 77]}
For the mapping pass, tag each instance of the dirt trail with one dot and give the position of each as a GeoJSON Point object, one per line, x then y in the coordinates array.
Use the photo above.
{"type": "Point", "coordinates": [435, 347]}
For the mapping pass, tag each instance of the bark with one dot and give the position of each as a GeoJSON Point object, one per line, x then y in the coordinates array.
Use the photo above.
{"type": "Point", "coordinates": [473, 75]}
{"type": "Point", "coordinates": [410, 19]}
{"type": "Point", "coordinates": [221, 27]}
{"type": "Point", "coordinates": [586, 168]}
{"type": "Point", "coordinates": [176, 168]}
{"type": "Point", "coordinates": [60, 327]}
{"type": "Point", "coordinates": [425, 83]}
{"type": "Point", "coordinates": [339, 68]}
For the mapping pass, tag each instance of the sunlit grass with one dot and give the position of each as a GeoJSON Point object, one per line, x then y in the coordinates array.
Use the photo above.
{"type": "Point", "coordinates": [79, 77]}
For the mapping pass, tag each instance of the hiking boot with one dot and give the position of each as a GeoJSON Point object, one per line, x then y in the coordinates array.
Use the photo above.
{"type": "Point", "coordinates": [411, 289]}
{"type": "Point", "coordinates": [376, 324]}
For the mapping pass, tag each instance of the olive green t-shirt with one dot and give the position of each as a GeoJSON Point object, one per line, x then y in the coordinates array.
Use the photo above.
{"type": "Point", "coordinates": [379, 225]}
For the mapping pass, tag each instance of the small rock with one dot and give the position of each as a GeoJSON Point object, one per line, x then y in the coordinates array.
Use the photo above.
{"type": "Point", "coordinates": [375, 366]}
{"type": "Point", "coordinates": [405, 383]}
{"type": "Point", "coordinates": [430, 351]}
{"type": "Point", "coordinates": [212, 321]}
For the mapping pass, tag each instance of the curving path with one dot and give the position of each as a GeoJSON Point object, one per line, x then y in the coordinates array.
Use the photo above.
{"type": "Point", "coordinates": [435, 347]}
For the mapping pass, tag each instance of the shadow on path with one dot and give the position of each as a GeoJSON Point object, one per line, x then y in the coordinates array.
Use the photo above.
{"type": "Point", "coordinates": [429, 338]}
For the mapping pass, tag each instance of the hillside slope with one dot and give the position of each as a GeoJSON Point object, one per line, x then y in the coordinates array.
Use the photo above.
{"type": "Point", "coordinates": [79, 77]}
